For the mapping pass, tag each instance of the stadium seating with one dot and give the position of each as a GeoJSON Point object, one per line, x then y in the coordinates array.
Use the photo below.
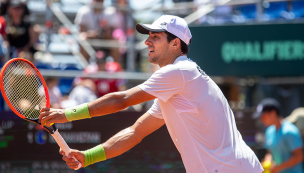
{"type": "Point", "coordinates": [275, 10]}
{"type": "Point", "coordinates": [298, 9]}
{"type": "Point", "coordinates": [248, 11]}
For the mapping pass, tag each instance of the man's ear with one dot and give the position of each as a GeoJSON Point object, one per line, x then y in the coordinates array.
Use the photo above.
{"type": "Point", "coordinates": [176, 43]}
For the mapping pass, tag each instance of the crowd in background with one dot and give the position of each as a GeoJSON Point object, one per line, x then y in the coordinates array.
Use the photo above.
{"type": "Point", "coordinates": [94, 21]}
{"type": "Point", "coordinates": [111, 23]}
{"type": "Point", "coordinates": [20, 38]}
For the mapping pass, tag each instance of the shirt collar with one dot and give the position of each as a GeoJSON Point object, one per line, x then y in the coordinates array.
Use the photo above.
{"type": "Point", "coordinates": [181, 58]}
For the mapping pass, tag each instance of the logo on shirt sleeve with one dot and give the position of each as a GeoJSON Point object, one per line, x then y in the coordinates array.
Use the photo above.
{"type": "Point", "coordinates": [201, 71]}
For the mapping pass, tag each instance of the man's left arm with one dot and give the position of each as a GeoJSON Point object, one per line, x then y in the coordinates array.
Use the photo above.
{"type": "Point", "coordinates": [296, 157]}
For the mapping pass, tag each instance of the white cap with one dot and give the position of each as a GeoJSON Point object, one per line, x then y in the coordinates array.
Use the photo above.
{"type": "Point", "coordinates": [173, 24]}
{"type": "Point", "coordinates": [295, 115]}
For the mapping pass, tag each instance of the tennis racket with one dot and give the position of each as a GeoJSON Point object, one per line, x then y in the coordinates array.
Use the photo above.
{"type": "Point", "coordinates": [25, 92]}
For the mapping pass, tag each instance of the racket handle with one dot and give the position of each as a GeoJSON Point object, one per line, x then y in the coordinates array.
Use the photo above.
{"type": "Point", "coordinates": [64, 146]}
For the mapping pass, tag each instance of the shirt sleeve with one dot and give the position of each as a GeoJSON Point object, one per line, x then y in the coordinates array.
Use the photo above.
{"type": "Point", "coordinates": [164, 83]}
{"type": "Point", "coordinates": [294, 139]}
{"type": "Point", "coordinates": [112, 17]}
{"type": "Point", "coordinates": [155, 110]}
{"type": "Point", "coordinates": [80, 17]}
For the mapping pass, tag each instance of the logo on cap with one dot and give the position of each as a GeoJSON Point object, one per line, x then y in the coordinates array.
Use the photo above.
{"type": "Point", "coordinates": [164, 23]}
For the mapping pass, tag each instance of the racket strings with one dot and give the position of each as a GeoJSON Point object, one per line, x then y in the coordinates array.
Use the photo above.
{"type": "Point", "coordinates": [21, 93]}
{"type": "Point", "coordinates": [17, 94]}
{"type": "Point", "coordinates": [30, 93]}
{"type": "Point", "coordinates": [24, 89]}
{"type": "Point", "coordinates": [26, 93]}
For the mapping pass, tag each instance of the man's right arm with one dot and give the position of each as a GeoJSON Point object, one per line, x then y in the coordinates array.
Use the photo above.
{"type": "Point", "coordinates": [123, 140]}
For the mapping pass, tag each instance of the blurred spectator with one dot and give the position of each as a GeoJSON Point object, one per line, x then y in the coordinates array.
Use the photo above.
{"type": "Point", "coordinates": [93, 23]}
{"type": "Point", "coordinates": [5, 4]}
{"type": "Point", "coordinates": [121, 19]}
{"type": "Point", "coordinates": [105, 86]}
{"type": "Point", "coordinates": [92, 20]}
{"type": "Point", "coordinates": [83, 92]}
{"type": "Point", "coordinates": [283, 139]}
{"type": "Point", "coordinates": [54, 92]}
{"type": "Point", "coordinates": [19, 33]}
{"type": "Point", "coordinates": [123, 26]}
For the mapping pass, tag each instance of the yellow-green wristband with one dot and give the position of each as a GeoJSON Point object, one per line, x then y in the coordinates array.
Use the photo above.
{"type": "Point", "coordinates": [78, 112]}
{"type": "Point", "coordinates": [94, 155]}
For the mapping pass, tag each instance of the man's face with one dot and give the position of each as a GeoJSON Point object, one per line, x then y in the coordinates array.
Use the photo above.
{"type": "Point", "coordinates": [268, 118]}
{"type": "Point", "coordinates": [158, 47]}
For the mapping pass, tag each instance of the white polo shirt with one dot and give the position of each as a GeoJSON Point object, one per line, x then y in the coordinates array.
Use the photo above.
{"type": "Point", "coordinates": [199, 120]}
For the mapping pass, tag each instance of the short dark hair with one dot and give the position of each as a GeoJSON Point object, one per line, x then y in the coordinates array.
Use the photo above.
{"type": "Point", "coordinates": [184, 47]}
{"type": "Point", "coordinates": [269, 108]}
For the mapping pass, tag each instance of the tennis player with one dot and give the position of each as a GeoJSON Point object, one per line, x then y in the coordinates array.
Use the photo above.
{"type": "Point", "coordinates": [197, 114]}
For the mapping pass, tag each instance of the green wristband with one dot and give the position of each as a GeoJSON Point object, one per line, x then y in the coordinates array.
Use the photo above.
{"type": "Point", "coordinates": [78, 112]}
{"type": "Point", "coordinates": [94, 155]}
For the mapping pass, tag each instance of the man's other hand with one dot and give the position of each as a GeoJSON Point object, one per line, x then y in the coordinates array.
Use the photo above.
{"type": "Point", "coordinates": [70, 161]}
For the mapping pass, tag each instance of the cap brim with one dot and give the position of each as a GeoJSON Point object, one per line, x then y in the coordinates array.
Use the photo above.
{"type": "Point", "coordinates": [256, 115]}
{"type": "Point", "coordinates": [145, 28]}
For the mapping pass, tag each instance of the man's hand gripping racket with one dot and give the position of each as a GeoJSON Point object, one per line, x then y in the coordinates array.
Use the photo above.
{"type": "Point", "coordinates": [25, 92]}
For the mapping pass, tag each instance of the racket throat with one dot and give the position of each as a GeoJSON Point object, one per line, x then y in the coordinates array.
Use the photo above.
{"type": "Point", "coordinates": [52, 129]}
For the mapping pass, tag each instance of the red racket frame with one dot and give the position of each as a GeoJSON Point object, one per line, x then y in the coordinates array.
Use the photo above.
{"type": "Point", "coordinates": [2, 87]}
{"type": "Point", "coordinates": [54, 132]}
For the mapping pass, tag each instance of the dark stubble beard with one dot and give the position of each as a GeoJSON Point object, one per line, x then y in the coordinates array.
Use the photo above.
{"type": "Point", "coordinates": [154, 60]}
{"type": "Point", "coordinates": [157, 59]}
